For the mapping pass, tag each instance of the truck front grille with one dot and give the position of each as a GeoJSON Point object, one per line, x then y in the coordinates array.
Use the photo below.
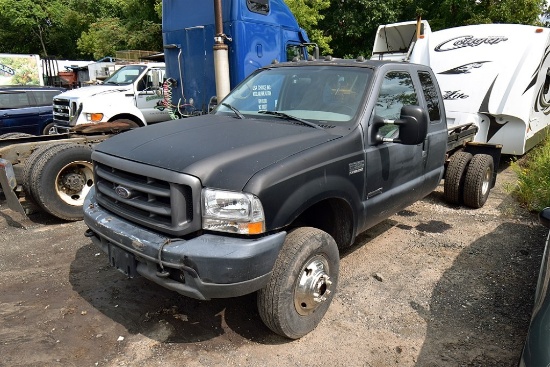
{"type": "Point", "coordinates": [65, 111]}
{"type": "Point", "coordinates": [164, 205]}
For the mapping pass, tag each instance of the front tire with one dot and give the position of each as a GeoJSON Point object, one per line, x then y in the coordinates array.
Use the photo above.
{"type": "Point", "coordinates": [302, 284]}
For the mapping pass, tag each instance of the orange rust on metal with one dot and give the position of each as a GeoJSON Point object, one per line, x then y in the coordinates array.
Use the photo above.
{"type": "Point", "coordinates": [102, 127]}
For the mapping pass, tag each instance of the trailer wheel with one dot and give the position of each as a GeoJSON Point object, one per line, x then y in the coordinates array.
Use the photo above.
{"type": "Point", "coordinates": [25, 179]}
{"type": "Point", "coordinates": [454, 177]}
{"type": "Point", "coordinates": [477, 183]}
{"type": "Point", "coordinates": [61, 178]}
{"type": "Point", "coordinates": [302, 284]}
{"type": "Point", "coordinates": [15, 136]}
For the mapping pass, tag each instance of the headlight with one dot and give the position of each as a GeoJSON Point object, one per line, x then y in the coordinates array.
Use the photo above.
{"type": "Point", "coordinates": [235, 212]}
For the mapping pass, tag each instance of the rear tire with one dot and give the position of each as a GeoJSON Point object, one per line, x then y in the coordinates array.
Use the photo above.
{"type": "Point", "coordinates": [477, 183]}
{"type": "Point", "coordinates": [61, 178]}
{"type": "Point", "coordinates": [25, 179]}
{"type": "Point", "coordinates": [454, 177]}
{"type": "Point", "coordinates": [302, 284]}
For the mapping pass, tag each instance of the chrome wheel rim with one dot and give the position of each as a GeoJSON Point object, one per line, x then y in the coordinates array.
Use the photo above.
{"type": "Point", "coordinates": [313, 286]}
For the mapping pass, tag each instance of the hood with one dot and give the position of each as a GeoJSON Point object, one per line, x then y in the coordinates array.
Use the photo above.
{"type": "Point", "coordinates": [94, 90]}
{"type": "Point", "coordinates": [223, 152]}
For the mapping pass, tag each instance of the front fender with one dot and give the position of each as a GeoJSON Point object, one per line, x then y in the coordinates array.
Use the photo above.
{"type": "Point", "coordinates": [332, 170]}
{"type": "Point", "coordinates": [314, 192]}
{"type": "Point", "coordinates": [112, 106]}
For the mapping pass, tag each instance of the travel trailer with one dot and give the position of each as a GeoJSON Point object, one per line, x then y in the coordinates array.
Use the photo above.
{"type": "Point", "coordinates": [495, 76]}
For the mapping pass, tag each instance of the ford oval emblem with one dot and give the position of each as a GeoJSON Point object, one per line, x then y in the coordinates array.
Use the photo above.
{"type": "Point", "coordinates": [123, 192]}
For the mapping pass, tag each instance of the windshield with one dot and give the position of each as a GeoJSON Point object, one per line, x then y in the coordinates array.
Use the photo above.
{"type": "Point", "coordinates": [321, 94]}
{"type": "Point", "coordinates": [125, 75]}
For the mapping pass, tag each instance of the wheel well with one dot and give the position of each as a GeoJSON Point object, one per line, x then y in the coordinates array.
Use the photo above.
{"type": "Point", "coordinates": [128, 117]}
{"type": "Point", "coordinates": [333, 216]}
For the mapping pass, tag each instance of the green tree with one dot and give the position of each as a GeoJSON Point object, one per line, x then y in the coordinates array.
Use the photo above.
{"type": "Point", "coordinates": [352, 24]}
{"type": "Point", "coordinates": [308, 13]}
{"type": "Point", "coordinates": [454, 13]}
{"type": "Point", "coordinates": [30, 20]}
{"type": "Point", "coordinates": [132, 24]}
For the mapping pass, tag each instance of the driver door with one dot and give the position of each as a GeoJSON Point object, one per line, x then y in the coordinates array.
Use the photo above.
{"type": "Point", "coordinates": [394, 171]}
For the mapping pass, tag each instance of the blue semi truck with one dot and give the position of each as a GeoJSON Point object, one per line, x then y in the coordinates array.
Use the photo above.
{"type": "Point", "coordinates": [253, 33]}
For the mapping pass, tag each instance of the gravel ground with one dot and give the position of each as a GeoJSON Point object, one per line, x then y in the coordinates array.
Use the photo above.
{"type": "Point", "coordinates": [434, 285]}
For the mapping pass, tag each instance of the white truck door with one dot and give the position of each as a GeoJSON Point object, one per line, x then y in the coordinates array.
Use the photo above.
{"type": "Point", "coordinates": [149, 96]}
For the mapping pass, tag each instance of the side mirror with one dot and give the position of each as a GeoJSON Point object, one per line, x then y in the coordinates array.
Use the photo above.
{"type": "Point", "coordinates": [413, 125]}
{"type": "Point", "coordinates": [156, 79]}
{"type": "Point", "coordinates": [212, 103]}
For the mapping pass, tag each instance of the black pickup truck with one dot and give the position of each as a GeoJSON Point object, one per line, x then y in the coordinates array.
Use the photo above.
{"type": "Point", "coordinates": [261, 194]}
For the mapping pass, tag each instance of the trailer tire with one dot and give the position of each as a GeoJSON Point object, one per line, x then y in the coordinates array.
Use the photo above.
{"type": "Point", "coordinates": [15, 136]}
{"type": "Point", "coordinates": [25, 178]}
{"type": "Point", "coordinates": [453, 186]}
{"type": "Point", "coordinates": [302, 284]}
{"type": "Point", "coordinates": [61, 178]}
{"type": "Point", "coordinates": [477, 183]}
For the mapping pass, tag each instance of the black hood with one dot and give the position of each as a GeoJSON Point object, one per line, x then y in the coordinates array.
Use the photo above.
{"type": "Point", "coordinates": [223, 152]}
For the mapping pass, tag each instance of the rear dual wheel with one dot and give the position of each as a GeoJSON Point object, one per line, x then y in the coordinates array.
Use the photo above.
{"type": "Point", "coordinates": [468, 179]}
{"type": "Point", "coordinates": [58, 177]}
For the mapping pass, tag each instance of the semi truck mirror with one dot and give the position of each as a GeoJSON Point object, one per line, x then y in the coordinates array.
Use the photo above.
{"type": "Point", "coordinates": [156, 79]}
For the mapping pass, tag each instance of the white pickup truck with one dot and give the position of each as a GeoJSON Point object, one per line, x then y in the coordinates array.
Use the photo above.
{"type": "Point", "coordinates": [133, 94]}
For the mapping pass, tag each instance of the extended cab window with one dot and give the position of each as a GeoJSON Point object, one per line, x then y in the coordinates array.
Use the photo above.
{"type": "Point", "coordinates": [430, 94]}
{"type": "Point", "coordinates": [397, 90]}
{"type": "Point", "coordinates": [14, 100]}
{"type": "Point", "coordinates": [258, 6]}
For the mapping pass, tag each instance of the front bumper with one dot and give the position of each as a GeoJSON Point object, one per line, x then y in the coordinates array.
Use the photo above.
{"type": "Point", "coordinates": [205, 267]}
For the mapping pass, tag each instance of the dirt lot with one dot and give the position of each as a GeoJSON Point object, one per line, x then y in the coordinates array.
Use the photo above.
{"type": "Point", "coordinates": [434, 285]}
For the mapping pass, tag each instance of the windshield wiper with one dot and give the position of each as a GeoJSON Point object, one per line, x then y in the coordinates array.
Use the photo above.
{"type": "Point", "coordinates": [290, 117]}
{"type": "Point", "coordinates": [237, 112]}
{"type": "Point", "coordinates": [110, 82]}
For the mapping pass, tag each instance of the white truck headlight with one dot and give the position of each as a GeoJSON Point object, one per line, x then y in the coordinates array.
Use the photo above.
{"type": "Point", "coordinates": [234, 212]}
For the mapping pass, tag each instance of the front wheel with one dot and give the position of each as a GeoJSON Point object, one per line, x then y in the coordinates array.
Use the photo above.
{"type": "Point", "coordinates": [302, 284]}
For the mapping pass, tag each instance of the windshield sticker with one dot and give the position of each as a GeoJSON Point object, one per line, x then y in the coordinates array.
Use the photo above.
{"type": "Point", "coordinates": [468, 41]}
{"type": "Point", "coordinates": [263, 90]}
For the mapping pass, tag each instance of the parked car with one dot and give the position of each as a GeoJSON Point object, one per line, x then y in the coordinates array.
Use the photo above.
{"type": "Point", "coordinates": [536, 351]}
{"type": "Point", "coordinates": [27, 109]}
